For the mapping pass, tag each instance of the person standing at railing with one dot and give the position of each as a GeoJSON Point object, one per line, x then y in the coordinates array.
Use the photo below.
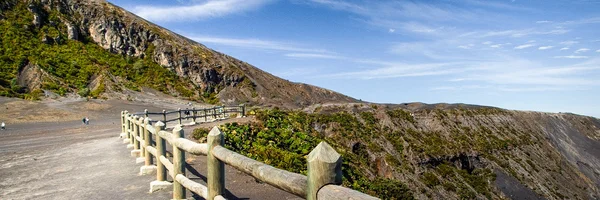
{"type": "Point", "coordinates": [3, 126]}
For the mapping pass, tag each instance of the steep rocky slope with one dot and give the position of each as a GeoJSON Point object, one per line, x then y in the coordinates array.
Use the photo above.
{"type": "Point", "coordinates": [436, 151]}
{"type": "Point", "coordinates": [201, 72]}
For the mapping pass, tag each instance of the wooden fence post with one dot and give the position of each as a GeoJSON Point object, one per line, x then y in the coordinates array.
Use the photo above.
{"type": "Point", "coordinates": [194, 115]}
{"type": "Point", "coordinates": [205, 115]}
{"type": "Point", "coordinates": [136, 144]}
{"type": "Point", "coordinates": [122, 124]}
{"type": "Point", "coordinates": [126, 128]}
{"type": "Point", "coordinates": [179, 115]}
{"type": "Point", "coordinates": [243, 110]}
{"type": "Point", "coordinates": [178, 164]}
{"type": "Point", "coordinates": [216, 168]}
{"type": "Point", "coordinates": [214, 113]}
{"type": "Point", "coordinates": [161, 171]}
{"type": "Point", "coordinates": [129, 131]}
{"type": "Point", "coordinates": [165, 117]}
{"type": "Point", "coordinates": [131, 127]}
{"type": "Point", "coordinates": [324, 167]}
{"type": "Point", "coordinates": [222, 109]}
{"type": "Point", "coordinates": [148, 167]}
{"type": "Point", "coordinates": [141, 131]}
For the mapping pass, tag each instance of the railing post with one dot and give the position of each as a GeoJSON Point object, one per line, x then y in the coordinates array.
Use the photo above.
{"type": "Point", "coordinates": [161, 171]}
{"type": "Point", "coordinates": [222, 109]}
{"type": "Point", "coordinates": [205, 115]}
{"type": "Point", "coordinates": [129, 130]}
{"type": "Point", "coordinates": [216, 168]}
{"type": "Point", "coordinates": [324, 167]}
{"type": "Point", "coordinates": [148, 167]}
{"type": "Point", "coordinates": [141, 131]}
{"type": "Point", "coordinates": [214, 113]}
{"type": "Point", "coordinates": [243, 110]}
{"type": "Point", "coordinates": [122, 135]}
{"type": "Point", "coordinates": [136, 144]}
{"type": "Point", "coordinates": [125, 128]}
{"type": "Point", "coordinates": [179, 115]}
{"type": "Point", "coordinates": [130, 119]}
{"type": "Point", "coordinates": [178, 164]}
{"type": "Point", "coordinates": [165, 117]}
{"type": "Point", "coordinates": [194, 115]}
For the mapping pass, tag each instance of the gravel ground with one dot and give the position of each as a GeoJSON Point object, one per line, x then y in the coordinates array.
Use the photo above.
{"type": "Point", "coordinates": [64, 159]}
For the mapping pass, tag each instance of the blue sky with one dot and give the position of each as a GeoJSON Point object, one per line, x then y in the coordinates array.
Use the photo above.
{"type": "Point", "coordinates": [524, 55]}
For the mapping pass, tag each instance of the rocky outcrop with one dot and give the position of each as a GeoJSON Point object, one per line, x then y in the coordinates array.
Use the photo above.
{"type": "Point", "coordinates": [121, 32]}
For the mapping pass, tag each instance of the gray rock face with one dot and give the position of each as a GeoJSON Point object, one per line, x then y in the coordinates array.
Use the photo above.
{"type": "Point", "coordinates": [121, 32]}
{"type": "Point", "coordinates": [37, 21]}
{"type": "Point", "coordinates": [72, 31]}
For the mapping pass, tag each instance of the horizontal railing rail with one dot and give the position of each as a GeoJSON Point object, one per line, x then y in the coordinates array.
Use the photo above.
{"type": "Point", "coordinates": [205, 114]}
{"type": "Point", "coordinates": [149, 141]}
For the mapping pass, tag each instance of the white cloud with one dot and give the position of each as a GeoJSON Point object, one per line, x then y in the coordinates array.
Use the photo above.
{"type": "Point", "coordinates": [543, 22]}
{"type": "Point", "coordinates": [569, 42]}
{"type": "Point", "coordinates": [564, 48]}
{"type": "Point", "coordinates": [313, 55]}
{"type": "Point", "coordinates": [524, 46]}
{"type": "Point", "coordinates": [487, 42]}
{"type": "Point", "coordinates": [496, 46]}
{"type": "Point", "coordinates": [256, 44]}
{"type": "Point", "coordinates": [598, 50]}
{"type": "Point", "coordinates": [519, 33]}
{"type": "Point", "coordinates": [545, 47]}
{"type": "Point", "coordinates": [592, 20]}
{"type": "Point", "coordinates": [206, 9]}
{"type": "Point", "coordinates": [391, 30]}
{"type": "Point", "coordinates": [395, 70]}
{"type": "Point", "coordinates": [582, 50]}
{"type": "Point", "coordinates": [571, 57]}
{"type": "Point", "coordinates": [468, 46]}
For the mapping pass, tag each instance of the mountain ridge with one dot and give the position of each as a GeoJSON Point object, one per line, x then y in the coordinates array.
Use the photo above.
{"type": "Point", "coordinates": [208, 73]}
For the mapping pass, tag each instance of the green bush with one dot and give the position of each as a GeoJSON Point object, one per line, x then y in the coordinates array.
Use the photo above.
{"type": "Point", "coordinates": [84, 92]}
{"type": "Point", "coordinates": [200, 133]}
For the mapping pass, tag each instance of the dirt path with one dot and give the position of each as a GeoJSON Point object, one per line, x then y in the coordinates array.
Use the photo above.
{"type": "Point", "coordinates": [63, 159]}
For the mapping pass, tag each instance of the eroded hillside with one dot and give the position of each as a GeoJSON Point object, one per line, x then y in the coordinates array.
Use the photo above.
{"type": "Point", "coordinates": [436, 151]}
{"type": "Point", "coordinates": [94, 47]}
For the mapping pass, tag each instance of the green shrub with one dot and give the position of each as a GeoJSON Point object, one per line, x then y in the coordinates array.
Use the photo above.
{"type": "Point", "coordinates": [84, 92]}
{"type": "Point", "coordinates": [200, 133]}
{"type": "Point", "coordinates": [430, 179]}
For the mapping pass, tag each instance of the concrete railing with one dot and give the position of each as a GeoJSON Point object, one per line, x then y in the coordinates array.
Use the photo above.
{"type": "Point", "coordinates": [149, 146]}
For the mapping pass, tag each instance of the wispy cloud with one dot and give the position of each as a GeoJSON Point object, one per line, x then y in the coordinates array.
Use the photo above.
{"type": "Point", "coordinates": [394, 70]}
{"type": "Point", "coordinates": [571, 57]}
{"type": "Point", "coordinates": [564, 48]}
{"type": "Point", "coordinates": [524, 46]}
{"type": "Point", "coordinates": [582, 50]}
{"type": "Point", "coordinates": [598, 50]}
{"type": "Point", "coordinates": [593, 20]}
{"type": "Point", "coordinates": [525, 73]}
{"type": "Point", "coordinates": [206, 9]}
{"type": "Point", "coordinates": [314, 55]}
{"type": "Point", "coordinates": [545, 47]}
{"type": "Point", "coordinates": [543, 22]}
{"type": "Point", "coordinates": [516, 33]}
{"type": "Point", "coordinates": [257, 44]}
{"type": "Point", "coordinates": [569, 42]}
